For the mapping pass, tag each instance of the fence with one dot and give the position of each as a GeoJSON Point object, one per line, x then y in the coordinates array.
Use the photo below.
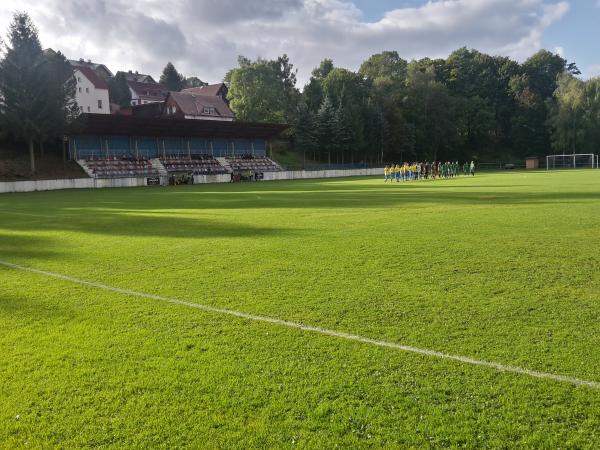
{"type": "Point", "coordinates": [76, 183]}
{"type": "Point", "coordinates": [314, 167]}
{"type": "Point", "coordinates": [308, 174]}
{"type": "Point", "coordinates": [92, 183]}
{"type": "Point", "coordinates": [499, 165]}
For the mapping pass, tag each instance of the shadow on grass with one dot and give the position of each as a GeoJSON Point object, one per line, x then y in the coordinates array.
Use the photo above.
{"type": "Point", "coordinates": [117, 222]}
{"type": "Point", "coordinates": [29, 310]}
{"type": "Point", "coordinates": [15, 246]}
{"type": "Point", "coordinates": [174, 212]}
{"type": "Point", "coordinates": [333, 198]}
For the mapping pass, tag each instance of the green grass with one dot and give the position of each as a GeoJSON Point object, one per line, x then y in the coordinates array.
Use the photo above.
{"type": "Point", "coordinates": [500, 267]}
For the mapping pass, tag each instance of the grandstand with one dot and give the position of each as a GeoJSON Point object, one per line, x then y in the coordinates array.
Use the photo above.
{"type": "Point", "coordinates": [119, 167]}
{"type": "Point", "coordinates": [202, 164]}
{"type": "Point", "coordinates": [249, 162]}
{"type": "Point", "coordinates": [128, 146]}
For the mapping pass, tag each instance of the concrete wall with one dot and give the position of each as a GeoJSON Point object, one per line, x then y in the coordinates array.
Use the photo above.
{"type": "Point", "coordinates": [91, 183]}
{"type": "Point", "coordinates": [205, 179]}
{"type": "Point", "coordinates": [305, 174]}
{"type": "Point", "coordinates": [77, 183]}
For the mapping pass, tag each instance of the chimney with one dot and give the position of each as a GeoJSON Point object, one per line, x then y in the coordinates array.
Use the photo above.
{"type": "Point", "coordinates": [130, 71]}
{"type": "Point", "coordinates": [80, 59]}
{"type": "Point", "coordinates": [89, 61]}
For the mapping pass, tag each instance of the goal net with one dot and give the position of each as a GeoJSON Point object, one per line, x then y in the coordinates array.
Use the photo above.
{"type": "Point", "coordinates": [574, 161]}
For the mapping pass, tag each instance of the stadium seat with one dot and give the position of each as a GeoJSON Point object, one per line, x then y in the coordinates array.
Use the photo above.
{"type": "Point", "coordinates": [120, 167]}
{"type": "Point", "coordinates": [198, 164]}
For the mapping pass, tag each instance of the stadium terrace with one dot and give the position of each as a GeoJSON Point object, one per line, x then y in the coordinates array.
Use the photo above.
{"type": "Point", "coordinates": [109, 146]}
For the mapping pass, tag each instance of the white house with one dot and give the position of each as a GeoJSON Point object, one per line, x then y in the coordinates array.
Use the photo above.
{"type": "Point", "coordinates": [92, 91]}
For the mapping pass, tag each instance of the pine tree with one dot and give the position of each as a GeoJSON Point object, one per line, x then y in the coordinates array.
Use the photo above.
{"type": "Point", "coordinates": [118, 90]}
{"type": "Point", "coordinates": [23, 83]}
{"type": "Point", "coordinates": [304, 130]}
{"type": "Point", "coordinates": [61, 107]}
{"type": "Point", "coordinates": [326, 127]}
{"type": "Point", "coordinates": [171, 79]}
{"type": "Point", "coordinates": [342, 133]}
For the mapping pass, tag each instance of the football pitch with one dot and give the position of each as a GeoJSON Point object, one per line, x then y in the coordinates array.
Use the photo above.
{"type": "Point", "coordinates": [313, 314]}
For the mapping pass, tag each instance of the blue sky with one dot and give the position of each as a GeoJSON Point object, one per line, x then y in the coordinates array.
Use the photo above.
{"type": "Point", "coordinates": [576, 34]}
{"type": "Point", "coordinates": [204, 37]}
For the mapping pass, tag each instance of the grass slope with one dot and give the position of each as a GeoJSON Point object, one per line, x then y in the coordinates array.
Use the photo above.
{"type": "Point", "coordinates": [500, 267]}
{"type": "Point", "coordinates": [14, 166]}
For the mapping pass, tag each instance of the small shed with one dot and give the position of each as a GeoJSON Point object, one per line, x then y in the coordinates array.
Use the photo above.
{"type": "Point", "coordinates": [532, 162]}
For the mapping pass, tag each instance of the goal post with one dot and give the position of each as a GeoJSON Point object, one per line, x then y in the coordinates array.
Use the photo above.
{"type": "Point", "coordinates": [573, 161]}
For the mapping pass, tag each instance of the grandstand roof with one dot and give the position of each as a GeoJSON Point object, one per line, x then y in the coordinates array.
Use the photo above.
{"type": "Point", "coordinates": [106, 125]}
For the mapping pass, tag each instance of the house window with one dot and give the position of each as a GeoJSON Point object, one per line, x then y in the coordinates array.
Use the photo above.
{"type": "Point", "coordinates": [87, 90]}
{"type": "Point", "coordinates": [79, 79]}
{"type": "Point", "coordinates": [209, 110]}
{"type": "Point", "coordinates": [99, 104]}
{"type": "Point", "coordinates": [79, 89]}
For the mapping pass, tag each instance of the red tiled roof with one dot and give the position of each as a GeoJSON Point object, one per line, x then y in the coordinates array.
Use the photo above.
{"type": "Point", "coordinates": [211, 89]}
{"type": "Point", "coordinates": [193, 104]}
{"type": "Point", "coordinates": [91, 65]}
{"type": "Point", "coordinates": [98, 82]}
{"type": "Point", "coordinates": [136, 76]}
{"type": "Point", "coordinates": [149, 90]}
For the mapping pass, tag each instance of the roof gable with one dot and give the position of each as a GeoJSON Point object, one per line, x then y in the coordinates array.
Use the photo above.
{"type": "Point", "coordinates": [209, 90]}
{"type": "Point", "coordinates": [88, 73]}
{"type": "Point", "coordinates": [94, 66]}
{"type": "Point", "coordinates": [193, 105]}
{"type": "Point", "coordinates": [137, 77]}
{"type": "Point", "coordinates": [153, 90]}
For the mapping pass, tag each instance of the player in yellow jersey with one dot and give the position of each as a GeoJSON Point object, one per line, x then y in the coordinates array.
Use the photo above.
{"type": "Point", "coordinates": [386, 172]}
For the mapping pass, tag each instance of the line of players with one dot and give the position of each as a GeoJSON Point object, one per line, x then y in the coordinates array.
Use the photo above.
{"type": "Point", "coordinates": [423, 171]}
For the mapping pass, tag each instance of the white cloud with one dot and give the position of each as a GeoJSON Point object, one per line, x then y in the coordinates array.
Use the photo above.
{"type": "Point", "coordinates": [204, 37]}
{"type": "Point", "coordinates": [592, 71]}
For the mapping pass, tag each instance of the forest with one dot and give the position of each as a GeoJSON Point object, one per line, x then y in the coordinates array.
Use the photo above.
{"type": "Point", "coordinates": [468, 106]}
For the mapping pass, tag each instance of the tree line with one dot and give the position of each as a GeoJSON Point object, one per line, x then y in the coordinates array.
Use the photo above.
{"type": "Point", "coordinates": [468, 106]}
{"type": "Point", "coordinates": [37, 89]}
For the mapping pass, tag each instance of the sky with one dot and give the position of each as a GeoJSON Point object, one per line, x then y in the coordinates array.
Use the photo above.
{"type": "Point", "coordinates": [203, 38]}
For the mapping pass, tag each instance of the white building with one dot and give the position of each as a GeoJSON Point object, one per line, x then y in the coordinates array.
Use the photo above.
{"type": "Point", "coordinates": [91, 92]}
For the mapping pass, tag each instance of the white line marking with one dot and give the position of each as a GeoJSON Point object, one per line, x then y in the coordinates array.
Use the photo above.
{"type": "Point", "coordinates": [313, 329]}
